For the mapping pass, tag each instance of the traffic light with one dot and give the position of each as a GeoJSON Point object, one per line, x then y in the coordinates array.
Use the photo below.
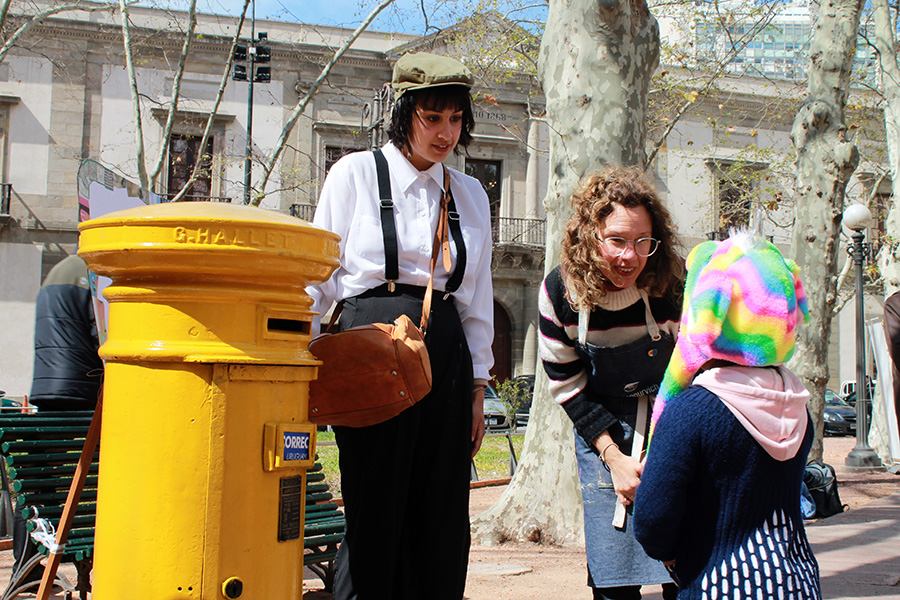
{"type": "Point", "coordinates": [255, 53]}
{"type": "Point", "coordinates": [263, 75]}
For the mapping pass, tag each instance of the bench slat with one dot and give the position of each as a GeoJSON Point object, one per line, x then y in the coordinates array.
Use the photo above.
{"type": "Point", "coordinates": [36, 460]}
{"type": "Point", "coordinates": [48, 471]}
{"type": "Point", "coordinates": [40, 446]}
{"type": "Point", "coordinates": [55, 512]}
{"type": "Point", "coordinates": [52, 483]}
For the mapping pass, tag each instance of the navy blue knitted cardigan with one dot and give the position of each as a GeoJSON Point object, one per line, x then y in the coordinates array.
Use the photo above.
{"type": "Point", "coordinates": [714, 500]}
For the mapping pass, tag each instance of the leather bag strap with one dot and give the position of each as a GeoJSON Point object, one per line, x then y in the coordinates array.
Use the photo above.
{"type": "Point", "coordinates": [441, 244]}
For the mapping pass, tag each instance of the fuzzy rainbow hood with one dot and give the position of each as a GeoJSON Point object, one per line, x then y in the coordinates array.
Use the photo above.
{"type": "Point", "coordinates": [742, 303]}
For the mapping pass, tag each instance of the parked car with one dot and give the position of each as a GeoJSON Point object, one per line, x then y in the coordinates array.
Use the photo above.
{"type": "Point", "coordinates": [526, 389]}
{"type": "Point", "coordinates": [494, 411]}
{"type": "Point", "coordinates": [840, 417]}
{"type": "Point", "coordinates": [850, 399]}
{"type": "Point", "coordinates": [848, 389]}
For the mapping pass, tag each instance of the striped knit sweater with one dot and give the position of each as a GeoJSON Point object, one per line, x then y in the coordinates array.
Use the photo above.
{"type": "Point", "coordinates": [729, 514]}
{"type": "Point", "coordinates": [617, 321]}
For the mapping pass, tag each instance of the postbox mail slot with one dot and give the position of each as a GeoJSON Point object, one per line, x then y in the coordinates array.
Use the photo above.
{"type": "Point", "coordinates": [282, 324]}
{"type": "Point", "coordinates": [289, 446]}
{"type": "Point", "coordinates": [289, 326]}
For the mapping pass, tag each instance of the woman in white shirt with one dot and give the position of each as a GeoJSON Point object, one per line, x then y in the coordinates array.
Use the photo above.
{"type": "Point", "coordinates": [405, 482]}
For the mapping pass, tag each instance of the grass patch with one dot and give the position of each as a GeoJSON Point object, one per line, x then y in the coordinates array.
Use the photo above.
{"type": "Point", "coordinates": [491, 462]}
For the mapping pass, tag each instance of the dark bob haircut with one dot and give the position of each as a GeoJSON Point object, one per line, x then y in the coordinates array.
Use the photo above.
{"type": "Point", "coordinates": [437, 98]}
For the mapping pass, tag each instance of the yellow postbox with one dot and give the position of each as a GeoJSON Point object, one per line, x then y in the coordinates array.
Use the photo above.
{"type": "Point", "coordinates": [205, 442]}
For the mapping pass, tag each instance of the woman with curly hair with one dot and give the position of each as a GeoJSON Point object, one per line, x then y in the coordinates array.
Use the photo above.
{"type": "Point", "coordinates": [609, 317]}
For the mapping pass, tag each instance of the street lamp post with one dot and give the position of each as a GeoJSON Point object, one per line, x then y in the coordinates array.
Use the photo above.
{"type": "Point", "coordinates": [255, 53]}
{"type": "Point", "coordinates": [856, 218]}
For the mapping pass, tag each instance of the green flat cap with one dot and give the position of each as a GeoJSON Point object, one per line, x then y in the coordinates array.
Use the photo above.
{"type": "Point", "coordinates": [422, 70]}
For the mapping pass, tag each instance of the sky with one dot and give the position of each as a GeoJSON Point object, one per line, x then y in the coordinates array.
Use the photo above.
{"type": "Point", "coordinates": [403, 15]}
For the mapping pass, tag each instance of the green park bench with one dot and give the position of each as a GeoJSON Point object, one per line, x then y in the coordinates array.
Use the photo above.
{"type": "Point", "coordinates": [39, 452]}
{"type": "Point", "coordinates": [323, 528]}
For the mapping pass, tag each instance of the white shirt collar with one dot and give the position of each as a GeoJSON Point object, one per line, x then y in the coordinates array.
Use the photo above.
{"type": "Point", "coordinates": [403, 171]}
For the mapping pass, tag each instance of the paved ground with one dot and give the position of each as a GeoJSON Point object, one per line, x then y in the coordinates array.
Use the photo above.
{"type": "Point", "coordinates": [858, 551]}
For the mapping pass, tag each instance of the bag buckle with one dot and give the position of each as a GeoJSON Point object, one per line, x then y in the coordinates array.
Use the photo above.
{"type": "Point", "coordinates": [391, 286]}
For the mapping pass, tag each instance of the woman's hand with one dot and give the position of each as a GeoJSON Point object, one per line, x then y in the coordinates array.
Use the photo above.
{"type": "Point", "coordinates": [626, 471]}
{"type": "Point", "coordinates": [477, 420]}
{"type": "Point", "coordinates": [626, 474]}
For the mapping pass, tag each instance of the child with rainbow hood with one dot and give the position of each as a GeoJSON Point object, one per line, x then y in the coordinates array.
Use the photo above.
{"type": "Point", "coordinates": [719, 499]}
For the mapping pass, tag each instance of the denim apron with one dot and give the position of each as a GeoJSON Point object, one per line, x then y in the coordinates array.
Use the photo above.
{"type": "Point", "coordinates": [620, 378]}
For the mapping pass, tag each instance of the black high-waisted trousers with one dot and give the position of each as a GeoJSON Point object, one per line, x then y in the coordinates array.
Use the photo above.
{"type": "Point", "coordinates": [405, 482]}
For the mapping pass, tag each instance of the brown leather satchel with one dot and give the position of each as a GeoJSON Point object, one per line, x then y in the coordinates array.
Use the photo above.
{"type": "Point", "coordinates": [369, 373]}
{"type": "Point", "coordinates": [374, 372]}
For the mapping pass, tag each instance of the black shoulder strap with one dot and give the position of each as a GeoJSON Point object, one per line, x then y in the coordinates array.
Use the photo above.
{"type": "Point", "coordinates": [456, 233]}
{"type": "Point", "coordinates": [388, 226]}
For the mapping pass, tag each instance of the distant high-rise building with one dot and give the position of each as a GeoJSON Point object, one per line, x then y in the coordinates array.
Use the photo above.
{"type": "Point", "coordinates": [752, 38]}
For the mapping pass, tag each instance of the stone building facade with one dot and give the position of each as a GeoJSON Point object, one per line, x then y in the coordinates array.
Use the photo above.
{"type": "Point", "coordinates": [65, 97]}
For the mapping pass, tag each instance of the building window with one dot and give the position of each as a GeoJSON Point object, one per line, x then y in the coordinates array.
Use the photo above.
{"type": "Point", "coordinates": [184, 153]}
{"type": "Point", "coordinates": [735, 186]}
{"type": "Point", "coordinates": [335, 153]}
{"type": "Point", "coordinates": [488, 173]}
{"type": "Point", "coordinates": [881, 204]}
{"type": "Point", "coordinates": [4, 141]}
{"type": "Point", "coordinates": [878, 190]}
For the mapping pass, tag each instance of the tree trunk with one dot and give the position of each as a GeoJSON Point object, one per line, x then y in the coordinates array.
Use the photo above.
{"type": "Point", "coordinates": [596, 61]}
{"type": "Point", "coordinates": [826, 159]}
{"type": "Point", "coordinates": [885, 42]}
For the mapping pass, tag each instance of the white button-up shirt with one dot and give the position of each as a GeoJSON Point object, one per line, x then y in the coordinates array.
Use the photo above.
{"type": "Point", "coordinates": [349, 206]}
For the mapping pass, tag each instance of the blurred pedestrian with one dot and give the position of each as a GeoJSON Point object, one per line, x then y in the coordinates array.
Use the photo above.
{"type": "Point", "coordinates": [719, 501]}
{"type": "Point", "coordinates": [68, 371]}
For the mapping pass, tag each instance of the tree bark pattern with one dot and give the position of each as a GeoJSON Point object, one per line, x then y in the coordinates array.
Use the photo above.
{"type": "Point", "coordinates": [886, 43]}
{"type": "Point", "coordinates": [826, 159]}
{"type": "Point", "coordinates": [596, 61]}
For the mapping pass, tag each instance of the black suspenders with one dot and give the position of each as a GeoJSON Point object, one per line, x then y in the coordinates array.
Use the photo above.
{"type": "Point", "coordinates": [456, 233]}
{"type": "Point", "coordinates": [389, 230]}
{"type": "Point", "coordinates": [388, 226]}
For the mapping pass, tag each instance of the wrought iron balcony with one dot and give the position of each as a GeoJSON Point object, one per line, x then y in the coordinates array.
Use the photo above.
{"type": "Point", "coordinates": [5, 195]}
{"type": "Point", "coordinates": [303, 211]}
{"type": "Point", "coordinates": [505, 230]}
{"type": "Point", "coordinates": [196, 198]}
{"type": "Point", "coordinates": [521, 232]}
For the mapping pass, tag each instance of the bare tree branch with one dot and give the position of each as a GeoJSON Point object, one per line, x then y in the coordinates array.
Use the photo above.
{"type": "Point", "coordinates": [4, 10]}
{"type": "Point", "coordinates": [736, 49]}
{"type": "Point", "coordinates": [176, 93]}
{"type": "Point", "coordinates": [301, 105]}
{"type": "Point", "coordinates": [135, 97]}
{"type": "Point", "coordinates": [222, 85]}
{"type": "Point", "coordinates": [35, 19]}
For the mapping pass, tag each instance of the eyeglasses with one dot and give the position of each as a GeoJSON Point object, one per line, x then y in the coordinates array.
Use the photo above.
{"type": "Point", "coordinates": [617, 246]}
